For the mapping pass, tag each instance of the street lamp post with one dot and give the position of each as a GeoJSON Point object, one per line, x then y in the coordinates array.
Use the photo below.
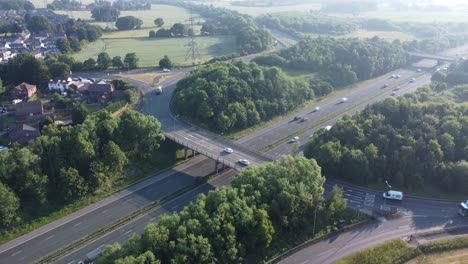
{"type": "Point", "coordinates": [388, 188]}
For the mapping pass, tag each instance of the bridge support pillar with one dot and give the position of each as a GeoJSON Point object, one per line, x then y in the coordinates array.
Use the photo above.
{"type": "Point", "coordinates": [185, 152]}
{"type": "Point", "coordinates": [216, 167]}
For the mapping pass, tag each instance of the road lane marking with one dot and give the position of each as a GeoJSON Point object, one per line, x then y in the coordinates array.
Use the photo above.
{"type": "Point", "coordinates": [14, 254]}
{"type": "Point", "coordinates": [77, 224]}
{"type": "Point", "coordinates": [152, 219]}
{"type": "Point", "coordinates": [128, 231]}
{"type": "Point", "coordinates": [305, 262]}
{"type": "Point", "coordinates": [326, 252]}
{"type": "Point", "coordinates": [405, 226]}
{"type": "Point", "coordinates": [174, 207]}
{"type": "Point", "coordinates": [50, 237]}
{"type": "Point", "coordinates": [103, 212]}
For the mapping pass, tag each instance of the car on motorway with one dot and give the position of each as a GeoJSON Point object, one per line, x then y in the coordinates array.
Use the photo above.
{"type": "Point", "coordinates": [397, 88]}
{"type": "Point", "coordinates": [166, 70]}
{"type": "Point", "coordinates": [344, 100]}
{"type": "Point", "coordinates": [317, 108]}
{"type": "Point", "coordinates": [312, 135]}
{"type": "Point", "coordinates": [397, 76]}
{"type": "Point", "coordinates": [294, 139]}
{"type": "Point", "coordinates": [412, 80]}
{"type": "Point", "coordinates": [392, 76]}
{"type": "Point", "coordinates": [296, 118]}
{"type": "Point", "coordinates": [328, 127]}
{"type": "Point", "coordinates": [244, 162]}
{"type": "Point", "coordinates": [393, 195]}
{"type": "Point", "coordinates": [304, 119]}
{"type": "Point", "coordinates": [228, 150]}
{"type": "Point", "coordinates": [393, 93]}
{"type": "Point", "coordinates": [385, 85]}
{"type": "Point", "coordinates": [419, 70]}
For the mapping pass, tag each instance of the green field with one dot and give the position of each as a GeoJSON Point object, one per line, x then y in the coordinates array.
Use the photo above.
{"type": "Point", "coordinates": [255, 11]}
{"type": "Point", "coordinates": [150, 51]}
{"type": "Point", "coordinates": [414, 16]}
{"type": "Point", "coordinates": [170, 14]}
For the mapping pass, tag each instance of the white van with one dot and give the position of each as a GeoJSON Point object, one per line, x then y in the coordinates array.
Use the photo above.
{"type": "Point", "coordinates": [394, 195]}
{"type": "Point", "coordinates": [158, 90]}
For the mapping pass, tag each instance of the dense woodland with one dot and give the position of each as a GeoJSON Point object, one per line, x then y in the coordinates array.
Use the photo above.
{"type": "Point", "coordinates": [223, 21]}
{"type": "Point", "coordinates": [70, 162]}
{"type": "Point", "coordinates": [413, 141]}
{"type": "Point", "coordinates": [340, 62]}
{"type": "Point", "coordinates": [16, 5]}
{"type": "Point", "coordinates": [231, 224]}
{"type": "Point", "coordinates": [227, 97]}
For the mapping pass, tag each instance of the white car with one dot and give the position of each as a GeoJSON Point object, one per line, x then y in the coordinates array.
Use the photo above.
{"type": "Point", "coordinates": [244, 162]}
{"type": "Point", "coordinates": [398, 76]}
{"type": "Point", "coordinates": [328, 127]}
{"type": "Point", "coordinates": [166, 70]}
{"type": "Point", "coordinates": [397, 88]}
{"type": "Point", "coordinates": [393, 93]}
{"type": "Point", "coordinates": [228, 150]}
{"type": "Point", "coordinates": [393, 76]}
{"type": "Point", "coordinates": [317, 108]}
{"type": "Point", "coordinates": [344, 99]}
{"type": "Point", "coordinates": [294, 139]}
{"type": "Point", "coordinates": [419, 70]}
{"type": "Point", "coordinates": [412, 80]}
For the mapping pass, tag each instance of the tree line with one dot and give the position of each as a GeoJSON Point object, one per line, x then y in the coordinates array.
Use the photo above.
{"type": "Point", "coordinates": [415, 141]}
{"type": "Point", "coordinates": [16, 5]}
{"type": "Point", "coordinates": [232, 224]}
{"type": "Point", "coordinates": [227, 97]}
{"type": "Point", "coordinates": [249, 37]}
{"type": "Point", "coordinates": [69, 162]}
{"type": "Point", "coordinates": [339, 62]}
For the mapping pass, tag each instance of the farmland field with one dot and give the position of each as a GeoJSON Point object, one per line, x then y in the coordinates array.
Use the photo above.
{"type": "Point", "coordinates": [150, 51]}
{"type": "Point", "coordinates": [170, 14]}
{"type": "Point", "coordinates": [256, 11]}
{"type": "Point", "coordinates": [414, 16]}
{"type": "Point", "coordinates": [391, 35]}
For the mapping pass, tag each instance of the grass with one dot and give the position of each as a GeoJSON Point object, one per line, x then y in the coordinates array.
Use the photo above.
{"type": "Point", "coordinates": [256, 11]}
{"type": "Point", "coordinates": [414, 16]}
{"type": "Point", "coordinates": [148, 78]}
{"type": "Point", "coordinates": [94, 108]}
{"type": "Point", "coordinates": [390, 35]}
{"type": "Point", "coordinates": [383, 253]}
{"type": "Point", "coordinates": [453, 256]}
{"type": "Point", "coordinates": [8, 120]}
{"type": "Point", "coordinates": [150, 51]}
{"type": "Point", "coordinates": [168, 156]}
{"type": "Point", "coordinates": [170, 14]}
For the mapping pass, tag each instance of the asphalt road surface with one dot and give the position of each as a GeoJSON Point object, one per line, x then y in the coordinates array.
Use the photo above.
{"type": "Point", "coordinates": [57, 234]}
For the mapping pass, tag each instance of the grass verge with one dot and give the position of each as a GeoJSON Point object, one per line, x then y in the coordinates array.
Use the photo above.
{"type": "Point", "coordinates": [168, 156]}
{"type": "Point", "coordinates": [383, 253]}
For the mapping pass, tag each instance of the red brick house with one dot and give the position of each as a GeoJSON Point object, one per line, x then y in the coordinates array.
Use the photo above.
{"type": "Point", "coordinates": [100, 92]}
{"type": "Point", "coordinates": [24, 90]}
{"type": "Point", "coordinates": [23, 134]}
{"type": "Point", "coordinates": [29, 111]}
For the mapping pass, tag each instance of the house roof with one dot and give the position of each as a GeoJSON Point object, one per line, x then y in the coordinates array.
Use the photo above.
{"type": "Point", "coordinates": [28, 128]}
{"type": "Point", "coordinates": [102, 88]}
{"type": "Point", "coordinates": [25, 108]}
{"type": "Point", "coordinates": [26, 87]}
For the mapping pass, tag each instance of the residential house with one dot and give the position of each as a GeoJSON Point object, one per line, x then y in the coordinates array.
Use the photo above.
{"type": "Point", "coordinates": [36, 44]}
{"type": "Point", "coordinates": [59, 84]}
{"type": "Point", "coordinates": [23, 134]}
{"type": "Point", "coordinates": [24, 90]}
{"type": "Point", "coordinates": [41, 36]}
{"type": "Point", "coordinates": [18, 47]}
{"type": "Point", "coordinates": [38, 54]}
{"type": "Point", "coordinates": [5, 55]}
{"type": "Point", "coordinates": [100, 92]}
{"type": "Point", "coordinates": [29, 111]}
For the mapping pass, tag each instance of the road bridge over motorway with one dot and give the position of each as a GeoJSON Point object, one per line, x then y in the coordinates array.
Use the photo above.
{"type": "Point", "coordinates": [432, 56]}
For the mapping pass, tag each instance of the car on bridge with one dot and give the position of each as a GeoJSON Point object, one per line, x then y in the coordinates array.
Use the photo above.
{"type": "Point", "coordinates": [244, 162]}
{"type": "Point", "coordinates": [228, 150]}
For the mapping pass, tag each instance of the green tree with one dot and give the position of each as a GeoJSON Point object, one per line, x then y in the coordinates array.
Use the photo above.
{"type": "Point", "coordinates": [89, 64]}
{"type": "Point", "coordinates": [165, 62]}
{"type": "Point", "coordinates": [38, 23]}
{"type": "Point", "coordinates": [79, 114]}
{"type": "Point", "coordinates": [159, 22]}
{"type": "Point", "coordinates": [114, 158]}
{"type": "Point", "coordinates": [179, 29]}
{"type": "Point", "coordinates": [25, 68]}
{"type": "Point", "coordinates": [10, 206]}
{"type": "Point", "coordinates": [152, 34]}
{"type": "Point", "coordinates": [75, 44]}
{"type": "Point", "coordinates": [104, 61]}
{"type": "Point", "coordinates": [335, 205]}
{"type": "Point", "coordinates": [128, 22]}
{"type": "Point", "coordinates": [71, 185]}
{"type": "Point", "coordinates": [131, 60]}
{"type": "Point", "coordinates": [59, 70]}
{"type": "Point", "coordinates": [117, 62]}
{"type": "Point", "coordinates": [63, 45]}
{"type": "Point", "coordinates": [2, 88]}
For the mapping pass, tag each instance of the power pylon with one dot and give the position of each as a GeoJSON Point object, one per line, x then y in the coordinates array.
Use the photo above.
{"type": "Point", "coordinates": [192, 46]}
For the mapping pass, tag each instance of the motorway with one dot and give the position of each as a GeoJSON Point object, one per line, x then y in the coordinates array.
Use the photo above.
{"type": "Point", "coordinates": [45, 240]}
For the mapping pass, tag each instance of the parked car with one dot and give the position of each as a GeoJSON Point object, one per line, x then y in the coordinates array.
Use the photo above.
{"type": "Point", "coordinates": [228, 150]}
{"type": "Point", "coordinates": [294, 139]}
{"type": "Point", "coordinates": [244, 162]}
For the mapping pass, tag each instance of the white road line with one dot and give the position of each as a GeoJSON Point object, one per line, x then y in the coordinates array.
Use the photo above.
{"type": "Point", "coordinates": [305, 262]}
{"type": "Point", "coordinates": [77, 224]}
{"type": "Point", "coordinates": [50, 237]}
{"type": "Point", "coordinates": [128, 232]}
{"type": "Point", "coordinates": [103, 212]}
{"type": "Point", "coordinates": [71, 262]}
{"type": "Point", "coordinates": [405, 226]}
{"type": "Point", "coordinates": [174, 207]}
{"type": "Point", "coordinates": [152, 219]}
{"type": "Point", "coordinates": [326, 252]}
{"type": "Point", "coordinates": [14, 254]}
